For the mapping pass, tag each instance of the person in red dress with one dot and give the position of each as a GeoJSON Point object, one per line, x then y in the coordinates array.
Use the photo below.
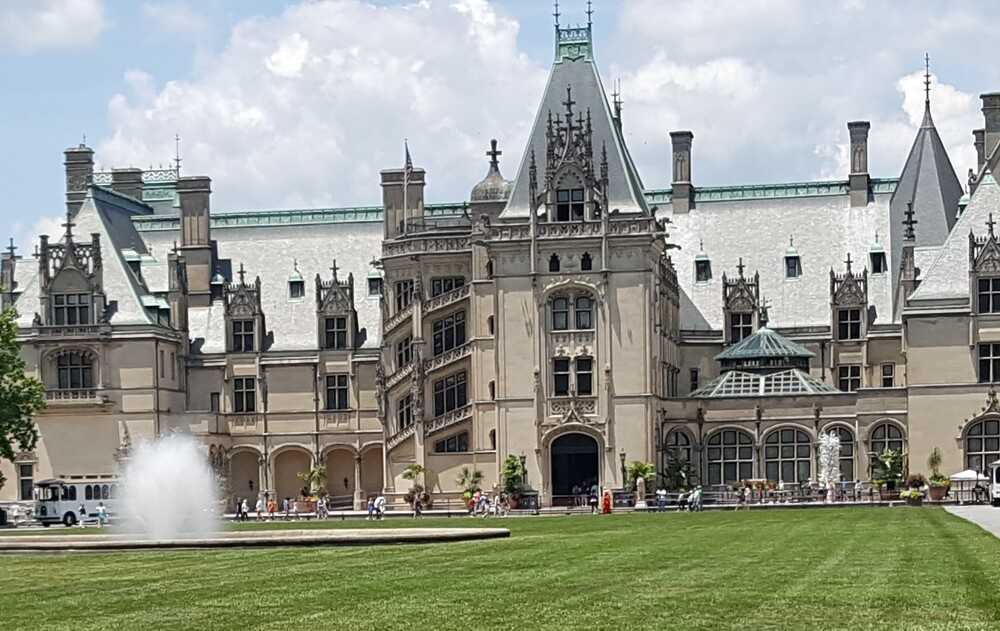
{"type": "Point", "coordinates": [606, 503]}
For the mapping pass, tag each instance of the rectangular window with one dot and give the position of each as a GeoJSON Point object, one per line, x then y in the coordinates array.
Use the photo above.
{"type": "Point", "coordinates": [879, 265]}
{"type": "Point", "coordinates": [740, 326]}
{"type": "Point", "coordinates": [71, 309]}
{"type": "Point", "coordinates": [173, 366]}
{"type": "Point", "coordinates": [560, 314]}
{"type": "Point", "coordinates": [453, 444]}
{"type": "Point", "coordinates": [296, 289]}
{"type": "Point", "coordinates": [374, 286]}
{"type": "Point", "coordinates": [989, 295]}
{"type": "Point", "coordinates": [26, 478]}
{"type": "Point", "coordinates": [444, 285]}
{"type": "Point", "coordinates": [584, 376]}
{"type": "Point", "coordinates": [74, 371]}
{"type": "Point", "coordinates": [337, 393]}
{"type": "Point", "coordinates": [450, 394]}
{"type": "Point", "coordinates": [163, 362]}
{"type": "Point", "coordinates": [404, 412]}
{"type": "Point", "coordinates": [243, 338]}
{"type": "Point", "coordinates": [989, 363]}
{"type": "Point", "coordinates": [335, 333]}
{"type": "Point", "coordinates": [569, 204]}
{"type": "Point", "coordinates": [449, 333]}
{"type": "Point", "coordinates": [694, 379]}
{"type": "Point", "coordinates": [213, 402]}
{"type": "Point", "coordinates": [850, 378]}
{"type": "Point", "coordinates": [404, 294]}
{"type": "Point", "coordinates": [888, 375]}
{"type": "Point", "coordinates": [702, 271]}
{"type": "Point", "coordinates": [849, 324]}
{"type": "Point", "coordinates": [793, 267]}
{"type": "Point", "coordinates": [404, 352]}
{"type": "Point", "coordinates": [560, 377]}
{"type": "Point", "coordinates": [244, 394]}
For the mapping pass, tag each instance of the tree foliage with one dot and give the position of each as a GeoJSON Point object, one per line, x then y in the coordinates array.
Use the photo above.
{"type": "Point", "coordinates": [512, 475]}
{"type": "Point", "coordinates": [638, 469]}
{"type": "Point", "coordinates": [21, 395]}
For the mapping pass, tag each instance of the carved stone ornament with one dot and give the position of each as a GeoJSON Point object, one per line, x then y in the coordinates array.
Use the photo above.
{"type": "Point", "coordinates": [988, 259]}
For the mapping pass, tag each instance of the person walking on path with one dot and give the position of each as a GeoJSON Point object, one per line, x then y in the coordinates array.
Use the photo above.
{"type": "Point", "coordinates": [244, 509]}
{"type": "Point", "coordinates": [102, 515]}
{"type": "Point", "coordinates": [371, 508]}
{"type": "Point", "coordinates": [272, 508]}
{"type": "Point", "coordinates": [606, 503]}
{"type": "Point", "coordinates": [260, 509]}
{"type": "Point", "coordinates": [379, 507]}
{"type": "Point", "coordinates": [83, 515]}
{"type": "Point", "coordinates": [416, 506]}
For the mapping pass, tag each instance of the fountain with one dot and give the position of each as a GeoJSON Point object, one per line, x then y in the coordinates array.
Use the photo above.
{"type": "Point", "coordinates": [169, 490]}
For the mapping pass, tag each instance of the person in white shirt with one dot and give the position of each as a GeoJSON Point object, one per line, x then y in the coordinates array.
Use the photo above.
{"type": "Point", "coordinates": [259, 507]}
{"type": "Point", "coordinates": [379, 507]}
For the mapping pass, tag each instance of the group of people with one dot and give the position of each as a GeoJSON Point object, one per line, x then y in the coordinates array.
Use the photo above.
{"type": "Point", "coordinates": [266, 509]}
{"type": "Point", "coordinates": [100, 514]}
{"type": "Point", "coordinates": [376, 508]}
{"type": "Point", "coordinates": [486, 505]}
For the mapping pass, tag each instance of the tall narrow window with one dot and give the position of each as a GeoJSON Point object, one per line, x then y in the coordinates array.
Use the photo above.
{"type": "Point", "coordinates": [740, 326]}
{"type": "Point", "coordinates": [584, 376]}
{"type": "Point", "coordinates": [26, 479]}
{"type": "Point", "coordinates": [450, 394]}
{"type": "Point", "coordinates": [335, 330]}
{"type": "Point", "coordinates": [75, 371]}
{"type": "Point", "coordinates": [989, 363]}
{"type": "Point", "coordinates": [243, 338]}
{"type": "Point", "coordinates": [71, 309]}
{"type": "Point", "coordinates": [404, 412]}
{"type": "Point", "coordinates": [173, 366]}
{"type": "Point", "coordinates": [849, 324]}
{"type": "Point", "coordinates": [490, 326]}
{"type": "Point", "coordinates": [989, 295]}
{"type": "Point", "coordinates": [337, 393]}
{"type": "Point", "coordinates": [213, 402]}
{"type": "Point", "coordinates": [694, 379]}
{"type": "Point", "coordinates": [878, 263]}
{"type": "Point", "coordinates": [404, 352]}
{"type": "Point", "coordinates": [163, 363]}
{"type": "Point", "coordinates": [560, 314]}
{"type": "Point", "coordinates": [554, 263]}
{"type": "Point", "coordinates": [449, 333]}
{"type": "Point", "coordinates": [793, 267]}
{"type": "Point", "coordinates": [404, 294]}
{"type": "Point", "coordinates": [586, 262]}
{"type": "Point", "coordinates": [244, 394]}
{"type": "Point", "coordinates": [849, 378]}
{"type": "Point", "coordinates": [888, 375]}
{"type": "Point", "coordinates": [584, 313]}
{"type": "Point", "coordinates": [560, 377]}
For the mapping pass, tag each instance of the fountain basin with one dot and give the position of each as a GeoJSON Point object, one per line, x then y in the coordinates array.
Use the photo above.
{"type": "Point", "coordinates": [251, 539]}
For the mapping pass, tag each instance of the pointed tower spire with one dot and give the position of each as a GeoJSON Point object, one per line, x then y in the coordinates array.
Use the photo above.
{"type": "Point", "coordinates": [928, 121]}
{"type": "Point", "coordinates": [590, 14]}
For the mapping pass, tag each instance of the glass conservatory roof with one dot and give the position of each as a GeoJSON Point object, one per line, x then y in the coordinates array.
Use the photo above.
{"type": "Point", "coordinates": [736, 383]}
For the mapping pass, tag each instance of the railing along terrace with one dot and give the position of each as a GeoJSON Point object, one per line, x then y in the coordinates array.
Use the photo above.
{"type": "Point", "coordinates": [68, 330]}
{"type": "Point", "coordinates": [422, 224]}
{"type": "Point", "coordinates": [74, 394]}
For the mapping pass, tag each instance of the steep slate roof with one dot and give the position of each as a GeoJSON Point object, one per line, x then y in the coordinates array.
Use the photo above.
{"type": "Point", "coordinates": [574, 67]}
{"type": "Point", "coordinates": [947, 276]}
{"type": "Point", "coordinates": [928, 181]}
{"type": "Point", "coordinates": [764, 344]}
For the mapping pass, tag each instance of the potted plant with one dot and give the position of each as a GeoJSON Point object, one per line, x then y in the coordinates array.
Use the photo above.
{"type": "Point", "coordinates": [638, 474]}
{"type": "Point", "coordinates": [469, 480]}
{"type": "Point", "coordinates": [913, 497]}
{"type": "Point", "coordinates": [888, 473]}
{"type": "Point", "coordinates": [414, 473]}
{"type": "Point", "coordinates": [512, 478]}
{"type": "Point", "coordinates": [938, 485]}
{"type": "Point", "coordinates": [315, 484]}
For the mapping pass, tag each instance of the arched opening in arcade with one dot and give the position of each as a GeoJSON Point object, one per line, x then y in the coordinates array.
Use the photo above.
{"type": "Point", "coordinates": [340, 478]}
{"type": "Point", "coordinates": [287, 467]}
{"type": "Point", "coordinates": [575, 466]}
{"type": "Point", "coordinates": [244, 475]}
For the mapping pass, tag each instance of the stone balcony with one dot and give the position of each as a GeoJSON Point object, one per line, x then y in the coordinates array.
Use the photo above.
{"type": "Point", "coordinates": [72, 331]}
{"type": "Point", "coordinates": [445, 421]}
{"type": "Point", "coordinates": [398, 376]}
{"type": "Point", "coordinates": [448, 357]}
{"type": "Point", "coordinates": [396, 320]}
{"type": "Point", "coordinates": [75, 397]}
{"type": "Point", "coordinates": [393, 441]}
{"type": "Point", "coordinates": [447, 299]}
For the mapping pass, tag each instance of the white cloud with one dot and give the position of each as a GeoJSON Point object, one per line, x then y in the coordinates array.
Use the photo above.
{"type": "Point", "coordinates": [38, 25]}
{"type": "Point", "coordinates": [26, 235]}
{"type": "Point", "coordinates": [176, 17]}
{"type": "Point", "coordinates": [306, 107]}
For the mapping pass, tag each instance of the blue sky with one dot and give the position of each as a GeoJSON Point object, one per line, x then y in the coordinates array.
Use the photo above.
{"type": "Point", "coordinates": [301, 103]}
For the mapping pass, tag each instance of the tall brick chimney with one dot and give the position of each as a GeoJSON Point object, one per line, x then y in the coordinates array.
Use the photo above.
{"type": "Point", "coordinates": [127, 182]}
{"type": "Point", "coordinates": [682, 198]}
{"type": "Point", "coordinates": [991, 113]}
{"type": "Point", "coordinates": [196, 239]}
{"type": "Point", "coordinates": [79, 163]}
{"type": "Point", "coordinates": [860, 181]}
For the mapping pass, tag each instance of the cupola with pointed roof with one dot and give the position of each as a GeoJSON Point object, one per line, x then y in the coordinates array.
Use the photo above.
{"type": "Point", "coordinates": [493, 188]}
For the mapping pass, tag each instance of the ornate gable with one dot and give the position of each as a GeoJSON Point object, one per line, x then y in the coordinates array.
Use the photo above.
{"type": "Point", "coordinates": [242, 300]}
{"type": "Point", "coordinates": [84, 258]}
{"type": "Point", "coordinates": [334, 297]}
{"type": "Point", "coordinates": [849, 289]}
{"type": "Point", "coordinates": [984, 252]}
{"type": "Point", "coordinates": [741, 294]}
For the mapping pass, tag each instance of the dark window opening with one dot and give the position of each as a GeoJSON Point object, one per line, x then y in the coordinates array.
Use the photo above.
{"type": "Point", "coordinates": [244, 394]}
{"type": "Point", "coordinates": [569, 204]}
{"type": "Point", "coordinates": [404, 294]}
{"type": "Point", "coordinates": [75, 371]}
{"type": "Point", "coordinates": [586, 262]}
{"type": "Point", "coordinates": [702, 271]}
{"type": "Point", "coordinates": [374, 286]}
{"type": "Point", "coordinates": [888, 375]}
{"type": "Point", "coordinates": [243, 337]}
{"type": "Point", "coordinates": [450, 394]}
{"type": "Point", "coordinates": [989, 295]}
{"type": "Point", "coordinates": [849, 324]}
{"type": "Point", "coordinates": [554, 263]}
{"type": "Point", "coordinates": [71, 309]}
{"type": "Point", "coordinates": [849, 378]}
{"type": "Point", "coordinates": [989, 363]}
{"type": "Point", "coordinates": [444, 285]}
{"type": "Point", "coordinates": [453, 444]}
{"type": "Point", "coordinates": [740, 326]}
{"type": "Point", "coordinates": [335, 330]}
{"type": "Point", "coordinates": [404, 412]}
{"type": "Point", "coordinates": [584, 376]}
{"type": "Point", "coordinates": [560, 377]}
{"type": "Point", "coordinates": [337, 393]}
{"type": "Point", "coordinates": [404, 352]}
{"type": "Point", "coordinates": [793, 267]}
{"type": "Point", "coordinates": [879, 265]}
{"type": "Point", "coordinates": [560, 314]}
{"type": "Point", "coordinates": [296, 288]}
{"type": "Point", "coordinates": [449, 333]}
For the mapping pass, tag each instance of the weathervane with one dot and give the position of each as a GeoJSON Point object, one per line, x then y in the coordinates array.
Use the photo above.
{"type": "Point", "coordinates": [590, 14]}
{"type": "Point", "coordinates": [556, 14]}
{"type": "Point", "coordinates": [177, 154]}
{"type": "Point", "coordinates": [927, 79]}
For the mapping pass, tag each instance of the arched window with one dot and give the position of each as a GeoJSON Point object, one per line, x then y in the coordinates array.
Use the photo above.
{"type": "Point", "coordinates": [586, 263]}
{"type": "Point", "coordinates": [75, 370]}
{"type": "Point", "coordinates": [846, 452]}
{"type": "Point", "coordinates": [72, 493]}
{"type": "Point", "coordinates": [886, 436]}
{"type": "Point", "coordinates": [584, 313]}
{"type": "Point", "coordinates": [88, 492]}
{"type": "Point", "coordinates": [560, 314]}
{"type": "Point", "coordinates": [729, 456]}
{"type": "Point", "coordinates": [982, 445]}
{"type": "Point", "coordinates": [105, 492]}
{"type": "Point", "coordinates": [677, 447]}
{"type": "Point", "coordinates": [554, 263]}
{"type": "Point", "coordinates": [788, 456]}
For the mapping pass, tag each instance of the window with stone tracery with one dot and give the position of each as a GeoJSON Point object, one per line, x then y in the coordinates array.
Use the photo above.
{"type": "Point", "coordinates": [570, 204]}
{"type": "Point", "coordinates": [71, 309]}
{"type": "Point", "coordinates": [572, 312]}
{"type": "Point", "coordinates": [75, 371]}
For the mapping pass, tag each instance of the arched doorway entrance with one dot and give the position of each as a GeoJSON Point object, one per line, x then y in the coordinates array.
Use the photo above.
{"type": "Point", "coordinates": [244, 475]}
{"type": "Point", "coordinates": [574, 463]}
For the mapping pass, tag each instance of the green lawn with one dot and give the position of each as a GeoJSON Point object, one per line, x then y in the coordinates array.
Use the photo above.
{"type": "Point", "coordinates": [886, 568]}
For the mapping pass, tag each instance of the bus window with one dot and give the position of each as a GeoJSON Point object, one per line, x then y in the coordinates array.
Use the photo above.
{"type": "Point", "coordinates": [105, 492]}
{"type": "Point", "coordinates": [72, 493]}
{"type": "Point", "coordinates": [88, 492]}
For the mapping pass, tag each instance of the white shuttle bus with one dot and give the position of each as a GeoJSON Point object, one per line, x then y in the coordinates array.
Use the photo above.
{"type": "Point", "coordinates": [60, 501]}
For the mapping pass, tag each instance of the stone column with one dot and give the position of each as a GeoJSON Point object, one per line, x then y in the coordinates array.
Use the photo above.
{"type": "Point", "coordinates": [359, 494]}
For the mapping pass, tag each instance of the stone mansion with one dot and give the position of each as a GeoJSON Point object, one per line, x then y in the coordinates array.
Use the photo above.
{"type": "Point", "coordinates": [571, 317]}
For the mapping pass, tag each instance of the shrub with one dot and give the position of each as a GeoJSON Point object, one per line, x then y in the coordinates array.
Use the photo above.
{"type": "Point", "coordinates": [915, 481]}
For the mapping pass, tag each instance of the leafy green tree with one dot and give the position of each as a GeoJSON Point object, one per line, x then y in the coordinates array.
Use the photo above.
{"type": "Point", "coordinates": [638, 469]}
{"type": "Point", "coordinates": [315, 480]}
{"type": "Point", "coordinates": [21, 395]}
{"type": "Point", "coordinates": [470, 481]}
{"type": "Point", "coordinates": [512, 475]}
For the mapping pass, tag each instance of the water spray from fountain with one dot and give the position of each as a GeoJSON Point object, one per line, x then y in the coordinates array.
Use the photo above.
{"type": "Point", "coordinates": [169, 490]}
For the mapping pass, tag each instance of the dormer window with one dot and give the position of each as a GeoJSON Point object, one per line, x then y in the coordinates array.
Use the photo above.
{"type": "Point", "coordinates": [554, 263]}
{"type": "Point", "coordinates": [849, 324]}
{"type": "Point", "coordinates": [793, 266]}
{"type": "Point", "coordinates": [989, 295]}
{"type": "Point", "coordinates": [71, 309]}
{"type": "Point", "coordinates": [878, 263]}
{"type": "Point", "coordinates": [702, 270]}
{"type": "Point", "coordinates": [586, 262]}
{"type": "Point", "coordinates": [569, 204]}
{"type": "Point", "coordinates": [243, 337]}
{"type": "Point", "coordinates": [374, 286]}
{"type": "Point", "coordinates": [740, 326]}
{"type": "Point", "coordinates": [335, 330]}
{"type": "Point", "coordinates": [296, 289]}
